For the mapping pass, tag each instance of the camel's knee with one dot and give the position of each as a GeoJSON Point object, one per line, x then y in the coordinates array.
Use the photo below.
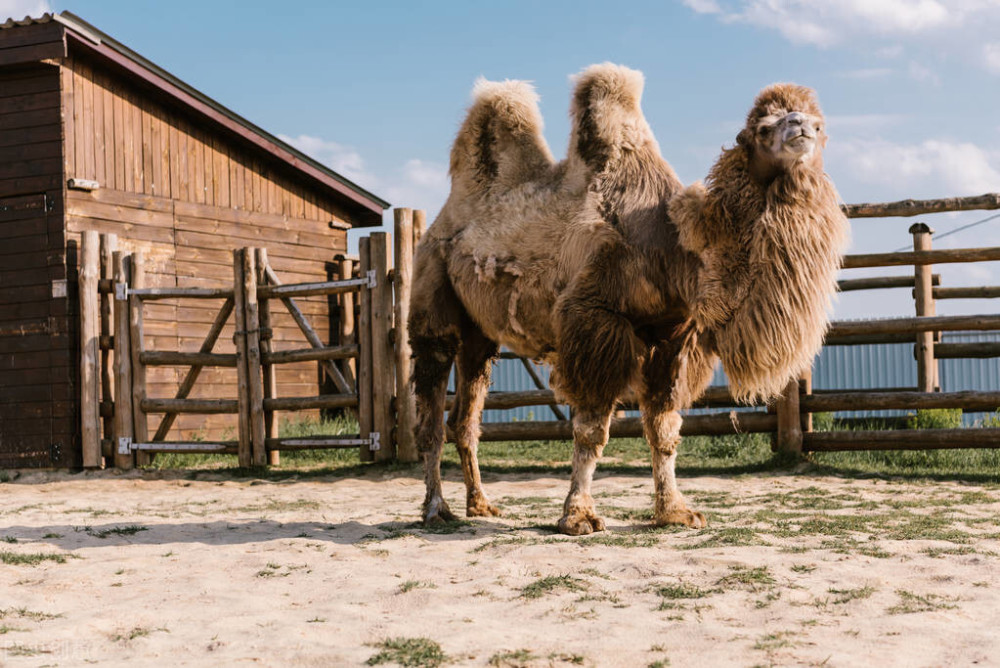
{"type": "Point", "coordinates": [432, 360]}
{"type": "Point", "coordinates": [663, 431]}
{"type": "Point", "coordinates": [590, 431]}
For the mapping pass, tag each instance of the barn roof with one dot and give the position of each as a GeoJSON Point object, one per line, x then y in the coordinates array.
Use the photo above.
{"type": "Point", "coordinates": [57, 35]}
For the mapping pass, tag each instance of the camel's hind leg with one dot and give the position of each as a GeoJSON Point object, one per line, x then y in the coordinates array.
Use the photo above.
{"type": "Point", "coordinates": [472, 381]}
{"type": "Point", "coordinates": [435, 327]}
{"type": "Point", "coordinates": [590, 435]}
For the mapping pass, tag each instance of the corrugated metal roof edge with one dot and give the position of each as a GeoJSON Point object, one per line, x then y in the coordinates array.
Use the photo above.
{"type": "Point", "coordinates": [95, 35]}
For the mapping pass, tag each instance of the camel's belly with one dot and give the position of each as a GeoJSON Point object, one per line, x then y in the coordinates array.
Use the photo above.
{"type": "Point", "coordinates": [511, 308]}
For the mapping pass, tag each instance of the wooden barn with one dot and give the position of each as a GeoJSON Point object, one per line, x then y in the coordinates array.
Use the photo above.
{"type": "Point", "coordinates": [95, 137]}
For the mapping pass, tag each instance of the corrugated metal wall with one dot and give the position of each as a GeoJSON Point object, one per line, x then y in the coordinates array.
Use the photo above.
{"type": "Point", "coordinates": [836, 367]}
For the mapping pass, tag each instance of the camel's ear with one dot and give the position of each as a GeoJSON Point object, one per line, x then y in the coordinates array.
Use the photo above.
{"type": "Point", "coordinates": [745, 138]}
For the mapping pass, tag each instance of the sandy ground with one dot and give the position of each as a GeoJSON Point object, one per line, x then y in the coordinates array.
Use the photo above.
{"type": "Point", "coordinates": [794, 570]}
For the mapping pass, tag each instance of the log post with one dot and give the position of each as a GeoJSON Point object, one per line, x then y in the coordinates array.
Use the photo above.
{"type": "Point", "coordinates": [251, 313]}
{"type": "Point", "coordinates": [805, 390]}
{"type": "Point", "coordinates": [406, 410]}
{"type": "Point", "coordinates": [90, 353]}
{"type": "Point", "coordinates": [244, 446]}
{"type": "Point", "coordinates": [383, 362]}
{"type": "Point", "coordinates": [270, 378]}
{"type": "Point", "coordinates": [348, 331]}
{"type": "Point", "coordinates": [789, 431]}
{"type": "Point", "coordinates": [109, 244]}
{"type": "Point", "coordinates": [365, 417]}
{"type": "Point", "coordinates": [419, 226]}
{"type": "Point", "coordinates": [140, 431]}
{"type": "Point", "coordinates": [923, 297]}
{"type": "Point", "coordinates": [123, 367]}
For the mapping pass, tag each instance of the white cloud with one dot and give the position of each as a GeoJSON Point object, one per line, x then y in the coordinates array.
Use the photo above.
{"type": "Point", "coordinates": [344, 160]}
{"type": "Point", "coordinates": [704, 6]}
{"type": "Point", "coordinates": [828, 22]}
{"type": "Point", "coordinates": [18, 9]}
{"type": "Point", "coordinates": [867, 73]}
{"type": "Point", "coordinates": [933, 168]}
{"type": "Point", "coordinates": [923, 74]}
{"type": "Point", "coordinates": [991, 57]}
{"type": "Point", "coordinates": [422, 185]}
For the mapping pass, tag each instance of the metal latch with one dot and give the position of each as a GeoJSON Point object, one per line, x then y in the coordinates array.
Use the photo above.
{"type": "Point", "coordinates": [372, 280]}
{"type": "Point", "coordinates": [375, 441]}
{"type": "Point", "coordinates": [121, 291]}
{"type": "Point", "coordinates": [124, 445]}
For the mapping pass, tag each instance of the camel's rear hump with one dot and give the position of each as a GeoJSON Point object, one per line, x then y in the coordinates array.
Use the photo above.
{"type": "Point", "coordinates": [607, 117]}
{"type": "Point", "coordinates": [500, 144]}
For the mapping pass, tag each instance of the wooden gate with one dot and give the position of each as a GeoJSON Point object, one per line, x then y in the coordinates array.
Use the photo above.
{"type": "Point", "coordinates": [364, 366]}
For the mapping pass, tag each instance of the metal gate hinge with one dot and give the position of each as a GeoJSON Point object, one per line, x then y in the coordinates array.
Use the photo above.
{"type": "Point", "coordinates": [375, 441]}
{"type": "Point", "coordinates": [124, 445]}
{"type": "Point", "coordinates": [121, 291]}
{"type": "Point", "coordinates": [372, 280]}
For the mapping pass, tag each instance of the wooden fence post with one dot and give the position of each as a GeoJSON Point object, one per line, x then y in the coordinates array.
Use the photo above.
{"type": "Point", "coordinates": [788, 437]}
{"type": "Point", "coordinates": [419, 226]}
{"type": "Point", "coordinates": [348, 331]}
{"type": "Point", "coordinates": [806, 389]}
{"type": "Point", "coordinates": [270, 379]}
{"type": "Point", "coordinates": [406, 449]}
{"type": "Point", "coordinates": [90, 353]}
{"type": "Point", "coordinates": [109, 244]}
{"type": "Point", "coordinates": [365, 410]}
{"type": "Point", "coordinates": [383, 362]}
{"type": "Point", "coordinates": [245, 446]}
{"type": "Point", "coordinates": [923, 296]}
{"type": "Point", "coordinates": [123, 366]}
{"type": "Point", "coordinates": [140, 431]}
{"type": "Point", "coordinates": [251, 330]}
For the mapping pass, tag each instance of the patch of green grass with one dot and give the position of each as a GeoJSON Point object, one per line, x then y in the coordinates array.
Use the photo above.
{"type": "Point", "coordinates": [625, 540]}
{"type": "Point", "coordinates": [774, 641]}
{"type": "Point", "coordinates": [727, 537]}
{"type": "Point", "coordinates": [25, 650]}
{"type": "Point", "coordinates": [24, 613]}
{"type": "Point", "coordinates": [910, 603]}
{"type": "Point", "coordinates": [747, 578]}
{"type": "Point", "coordinates": [683, 590]}
{"type": "Point", "coordinates": [30, 558]}
{"type": "Point", "coordinates": [842, 596]}
{"type": "Point", "coordinates": [136, 632]}
{"type": "Point", "coordinates": [803, 568]}
{"type": "Point", "coordinates": [9, 539]}
{"type": "Point", "coordinates": [129, 530]}
{"type": "Point", "coordinates": [938, 552]}
{"type": "Point", "coordinates": [409, 652]}
{"type": "Point", "coordinates": [410, 585]}
{"type": "Point", "coordinates": [519, 658]}
{"type": "Point", "coordinates": [551, 584]}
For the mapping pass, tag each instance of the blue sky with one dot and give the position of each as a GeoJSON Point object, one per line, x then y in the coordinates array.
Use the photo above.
{"type": "Point", "coordinates": [376, 90]}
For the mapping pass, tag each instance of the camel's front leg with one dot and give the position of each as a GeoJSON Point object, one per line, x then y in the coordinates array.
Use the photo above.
{"type": "Point", "coordinates": [663, 431]}
{"type": "Point", "coordinates": [590, 435]}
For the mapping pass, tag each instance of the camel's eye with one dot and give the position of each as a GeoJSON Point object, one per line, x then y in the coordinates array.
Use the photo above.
{"type": "Point", "coordinates": [765, 130]}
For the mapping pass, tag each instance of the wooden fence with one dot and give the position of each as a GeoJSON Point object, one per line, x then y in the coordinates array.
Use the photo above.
{"type": "Point", "coordinates": [115, 408]}
{"type": "Point", "coordinates": [374, 358]}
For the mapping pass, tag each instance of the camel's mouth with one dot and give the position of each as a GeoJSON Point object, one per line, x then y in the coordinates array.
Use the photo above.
{"type": "Point", "coordinates": [800, 143]}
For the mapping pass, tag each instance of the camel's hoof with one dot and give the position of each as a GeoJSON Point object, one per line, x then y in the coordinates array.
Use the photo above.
{"type": "Point", "coordinates": [580, 524]}
{"type": "Point", "coordinates": [481, 508]}
{"type": "Point", "coordinates": [440, 514]}
{"type": "Point", "coordinates": [683, 516]}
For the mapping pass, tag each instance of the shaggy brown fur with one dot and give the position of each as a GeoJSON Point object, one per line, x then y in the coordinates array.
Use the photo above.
{"type": "Point", "coordinates": [770, 233]}
{"type": "Point", "coordinates": [572, 262]}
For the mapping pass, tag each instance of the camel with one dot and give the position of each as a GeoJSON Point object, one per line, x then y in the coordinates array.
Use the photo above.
{"type": "Point", "coordinates": [575, 263]}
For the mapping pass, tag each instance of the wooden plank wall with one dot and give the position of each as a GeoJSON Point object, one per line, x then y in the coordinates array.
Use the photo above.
{"type": "Point", "coordinates": [37, 321]}
{"type": "Point", "coordinates": [187, 196]}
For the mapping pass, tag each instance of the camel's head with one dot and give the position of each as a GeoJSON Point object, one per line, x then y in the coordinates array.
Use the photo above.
{"type": "Point", "coordinates": [783, 130]}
